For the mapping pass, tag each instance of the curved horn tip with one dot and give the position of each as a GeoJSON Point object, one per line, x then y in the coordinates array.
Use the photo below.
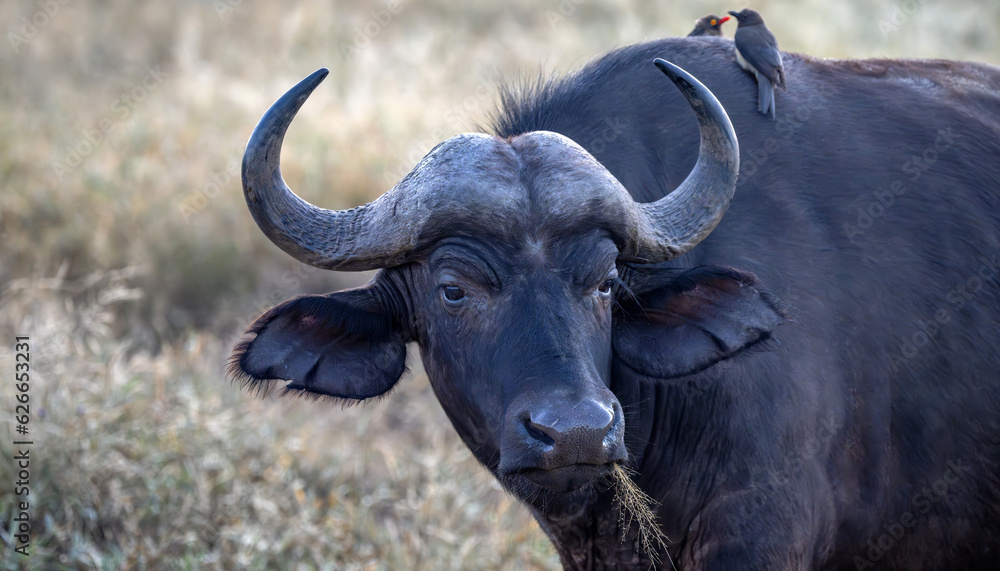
{"type": "Point", "coordinates": [676, 74]}
{"type": "Point", "coordinates": [270, 130]}
{"type": "Point", "coordinates": [703, 102]}
{"type": "Point", "coordinates": [318, 76]}
{"type": "Point", "coordinates": [687, 83]}
{"type": "Point", "coordinates": [305, 87]}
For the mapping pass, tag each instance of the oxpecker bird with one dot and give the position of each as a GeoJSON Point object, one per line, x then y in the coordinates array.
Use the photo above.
{"type": "Point", "coordinates": [710, 25]}
{"type": "Point", "coordinates": [757, 52]}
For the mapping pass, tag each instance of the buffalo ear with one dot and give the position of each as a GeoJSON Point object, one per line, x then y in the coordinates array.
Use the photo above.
{"type": "Point", "coordinates": [342, 345]}
{"type": "Point", "coordinates": [677, 323]}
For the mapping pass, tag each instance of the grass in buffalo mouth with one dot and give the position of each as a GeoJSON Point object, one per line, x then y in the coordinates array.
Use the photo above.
{"type": "Point", "coordinates": [634, 505]}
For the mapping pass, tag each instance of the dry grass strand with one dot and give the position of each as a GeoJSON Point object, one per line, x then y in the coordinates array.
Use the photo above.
{"type": "Point", "coordinates": [634, 505]}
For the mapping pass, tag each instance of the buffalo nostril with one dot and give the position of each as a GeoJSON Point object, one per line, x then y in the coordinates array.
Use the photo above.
{"type": "Point", "coordinates": [545, 434]}
{"type": "Point", "coordinates": [616, 420]}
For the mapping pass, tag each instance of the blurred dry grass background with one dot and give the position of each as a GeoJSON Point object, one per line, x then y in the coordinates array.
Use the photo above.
{"type": "Point", "coordinates": [128, 256]}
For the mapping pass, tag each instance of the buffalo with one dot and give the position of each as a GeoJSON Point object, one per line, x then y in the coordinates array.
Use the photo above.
{"type": "Point", "coordinates": [790, 345]}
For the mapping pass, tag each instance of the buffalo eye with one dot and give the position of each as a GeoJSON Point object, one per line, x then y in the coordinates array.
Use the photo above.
{"type": "Point", "coordinates": [452, 294]}
{"type": "Point", "coordinates": [604, 290]}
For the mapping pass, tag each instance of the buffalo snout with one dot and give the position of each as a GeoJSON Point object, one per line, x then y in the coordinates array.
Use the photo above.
{"type": "Point", "coordinates": [561, 443]}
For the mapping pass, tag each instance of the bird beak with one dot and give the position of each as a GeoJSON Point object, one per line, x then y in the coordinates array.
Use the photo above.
{"type": "Point", "coordinates": [734, 14]}
{"type": "Point", "coordinates": [724, 20]}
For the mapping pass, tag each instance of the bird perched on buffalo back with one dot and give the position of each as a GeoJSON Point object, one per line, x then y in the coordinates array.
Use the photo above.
{"type": "Point", "coordinates": [710, 25]}
{"type": "Point", "coordinates": [757, 52]}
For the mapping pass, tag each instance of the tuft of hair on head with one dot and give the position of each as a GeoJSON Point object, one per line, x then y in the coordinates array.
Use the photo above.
{"type": "Point", "coordinates": [636, 506]}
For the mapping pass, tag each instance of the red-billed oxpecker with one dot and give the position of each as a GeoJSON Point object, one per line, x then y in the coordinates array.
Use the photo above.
{"type": "Point", "coordinates": [710, 25]}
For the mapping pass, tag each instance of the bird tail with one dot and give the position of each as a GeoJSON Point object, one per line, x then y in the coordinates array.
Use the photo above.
{"type": "Point", "coordinates": [765, 96]}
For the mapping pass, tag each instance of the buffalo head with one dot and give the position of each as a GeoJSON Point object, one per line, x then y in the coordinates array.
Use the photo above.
{"type": "Point", "coordinates": [505, 260]}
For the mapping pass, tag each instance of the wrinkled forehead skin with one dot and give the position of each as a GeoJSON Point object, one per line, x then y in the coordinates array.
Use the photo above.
{"type": "Point", "coordinates": [540, 181]}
